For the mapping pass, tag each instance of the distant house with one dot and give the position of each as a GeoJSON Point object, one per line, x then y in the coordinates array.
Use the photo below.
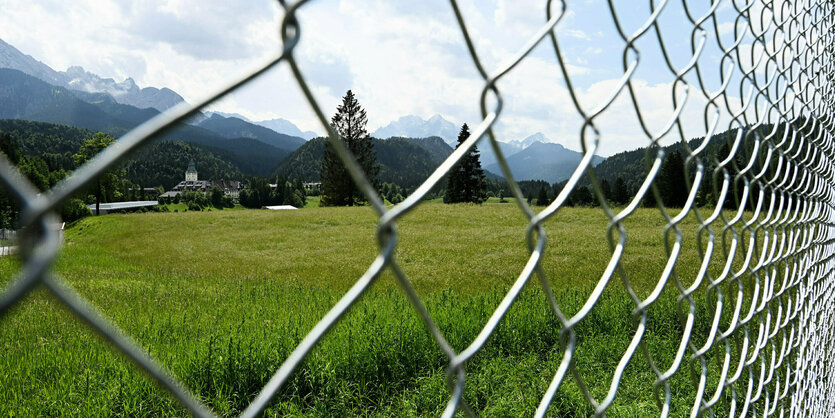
{"type": "Point", "coordinates": [230, 188]}
{"type": "Point", "coordinates": [313, 186]}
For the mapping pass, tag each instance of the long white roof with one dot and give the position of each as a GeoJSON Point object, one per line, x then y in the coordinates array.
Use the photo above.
{"type": "Point", "coordinates": [124, 205]}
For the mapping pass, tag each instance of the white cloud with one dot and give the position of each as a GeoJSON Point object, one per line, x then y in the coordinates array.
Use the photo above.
{"type": "Point", "coordinates": [398, 57]}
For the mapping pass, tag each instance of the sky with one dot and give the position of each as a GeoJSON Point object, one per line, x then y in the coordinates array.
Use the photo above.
{"type": "Point", "coordinates": [398, 57]}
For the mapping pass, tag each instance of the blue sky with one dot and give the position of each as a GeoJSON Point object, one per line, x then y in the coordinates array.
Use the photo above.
{"type": "Point", "coordinates": [399, 57]}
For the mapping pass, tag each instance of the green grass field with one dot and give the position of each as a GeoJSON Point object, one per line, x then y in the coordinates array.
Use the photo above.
{"type": "Point", "coordinates": [221, 298]}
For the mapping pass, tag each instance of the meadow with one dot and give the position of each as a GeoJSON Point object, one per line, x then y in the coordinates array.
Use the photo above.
{"type": "Point", "coordinates": [220, 298]}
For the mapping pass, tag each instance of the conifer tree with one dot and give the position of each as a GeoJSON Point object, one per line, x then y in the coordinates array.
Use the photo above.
{"type": "Point", "coordinates": [338, 188]}
{"type": "Point", "coordinates": [671, 182]}
{"type": "Point", "coordinates": [466, 181]}
{"type": "Point", "coordinates": [542, 198]}
{"type": "Point", "coordinates": [620, 195]}
{"type": "Point", "coordinates": [606, 189]}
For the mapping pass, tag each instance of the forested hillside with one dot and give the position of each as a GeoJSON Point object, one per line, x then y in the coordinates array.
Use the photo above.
{"type": "Point", "coordinates": [403, 161]}
{"type": "Point", "coordinates": [161, 163]}
{"type": "Point", "coordinates": [632, 165]}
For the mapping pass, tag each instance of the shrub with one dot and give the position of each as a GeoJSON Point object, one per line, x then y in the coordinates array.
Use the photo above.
{"type": "Point", "coordinates": [73, 210]}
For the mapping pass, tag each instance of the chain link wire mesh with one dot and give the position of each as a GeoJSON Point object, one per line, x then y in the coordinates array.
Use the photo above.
{"type": "Point", "coordinates": [772, 323]}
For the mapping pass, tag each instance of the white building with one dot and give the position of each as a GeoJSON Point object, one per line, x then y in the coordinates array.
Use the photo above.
{"type": "Point", "coordinates": [230, 187]}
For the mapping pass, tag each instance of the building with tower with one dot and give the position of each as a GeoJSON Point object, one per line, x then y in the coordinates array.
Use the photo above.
{"type": "Point", "coordinates": [191, 171]}
{"type": "Point", "coordinates": [191, 182]}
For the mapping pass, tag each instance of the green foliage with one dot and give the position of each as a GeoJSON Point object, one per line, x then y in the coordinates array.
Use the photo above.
{"type": "Point", "coordinates": [108, 186]}
{"type": "Point", "coordinates": [392, 192]}
{"type": "Point", "coordinates": [260, 193]}
{"type": "Point", "coordinates": [620, 195]}
{"type": "Point", "coordinates": [671, 183]}
{"type": "Point", "coordinates": [606, 189]}
{"type": "Point", "coordinates": [73, 210]}
{"type": "Point", "coordinates": [9, 148]}
{"type": "Point", "coordinates": [465, 182]}
{"type": "Point", "coordinates": [542, 198]}
{"type": "Point", "coordinates": [338, 188]}
{"type": "Point", "coordinates": [216, 197]}
{"type": "Point", "coordinates": [195, 200]}
{"type": "Point", "coordinates": [406, 162]}
{"type": "Point", "coordinates": [38, 171]}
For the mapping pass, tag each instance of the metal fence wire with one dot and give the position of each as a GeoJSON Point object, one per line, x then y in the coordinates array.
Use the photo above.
{"type": "Point", "coordinates": [780, 169]}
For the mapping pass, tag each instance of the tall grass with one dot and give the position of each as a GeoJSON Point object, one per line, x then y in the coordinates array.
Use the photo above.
{"type": "Point", "coordinates": [221, 298]}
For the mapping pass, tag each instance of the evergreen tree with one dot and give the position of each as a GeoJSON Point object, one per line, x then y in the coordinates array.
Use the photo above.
{"type": "Point", "coordinates": [582, 196]}
{"type": "Point", "coordinates": [542, 198]}
{"type": "Point", "coordinates": [620, 195]}
{"type": "Point", "coordinates": [671, 181]}
{"type": "Point", "coordinates": [338, 188]}
{"type": "Point", "coordinates": [466, 181]}
{"type": "Point", "coordinates": [606, 189]}
{"type": "Point", "coordinates": [8, 206]}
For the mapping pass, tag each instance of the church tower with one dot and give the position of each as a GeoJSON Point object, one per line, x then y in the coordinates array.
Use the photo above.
{"type": "Point", "coordinates": [191, 172]}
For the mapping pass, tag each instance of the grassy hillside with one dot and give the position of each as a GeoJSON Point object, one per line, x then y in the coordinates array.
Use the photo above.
{"type": "Point", "coordinates": [222, 297]}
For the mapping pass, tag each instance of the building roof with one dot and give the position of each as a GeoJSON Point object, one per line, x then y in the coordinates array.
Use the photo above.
{"type": "Point", "coordinates": [191, 168]}
{"type": "Point", "coordinates": [124, 205]}
{"type": "Point", "coordinates": [281, 207]}
{"type": "Point", "coordinates": [193, 185]}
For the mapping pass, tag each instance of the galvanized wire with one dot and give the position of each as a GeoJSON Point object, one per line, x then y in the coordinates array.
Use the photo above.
{"type": "Point", "coordinates": [772, 324]}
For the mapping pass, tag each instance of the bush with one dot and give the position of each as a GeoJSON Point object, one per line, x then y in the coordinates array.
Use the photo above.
{"type": "Point", "coordinates": [73, 210]}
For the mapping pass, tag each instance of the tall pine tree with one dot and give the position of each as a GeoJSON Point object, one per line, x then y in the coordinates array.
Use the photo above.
{"type": "Point", "coordinates": [620, 195]}
{"type": "Point", "coordinates": [671, 181]}
{"type": "Point", "coordinates": [338, 188]}
{"type": "Point", "coordinates": [466, 182]}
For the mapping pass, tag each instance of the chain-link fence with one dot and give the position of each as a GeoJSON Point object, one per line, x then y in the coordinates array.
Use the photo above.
{"type": "Point", "coordinates": [772, 301]}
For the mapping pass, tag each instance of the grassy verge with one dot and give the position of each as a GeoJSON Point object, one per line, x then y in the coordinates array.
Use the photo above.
{"type": "Point", "coordinates": [221, 298]}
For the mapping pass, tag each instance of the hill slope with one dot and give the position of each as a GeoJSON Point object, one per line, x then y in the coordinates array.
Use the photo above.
{"type": "Point", "coordinates": [159, 163]}
{"type": "Point", "coordinates": [237, 128]}
{"type": "Point", "coordinates": [403, 161]}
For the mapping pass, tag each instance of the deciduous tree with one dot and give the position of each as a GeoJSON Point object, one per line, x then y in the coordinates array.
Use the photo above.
{"type": "Point", "coordinates": [107, 184]}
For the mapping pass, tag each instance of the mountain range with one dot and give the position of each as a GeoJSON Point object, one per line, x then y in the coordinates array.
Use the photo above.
{"type": "Point", "coordinates": [543, 161]}
{"type": "Point", "coordinates": [416, 127]}
{"type": "Point", "coordinates": [76, 78]}
{"type": "Point", "coordinates": [31, 90]}
{"type": "Point", "coordinates": [92, 88]}
{"type": "Point", "coordinates": [282, 126]}
{"type": "Point", "coordinates": [533, 158]}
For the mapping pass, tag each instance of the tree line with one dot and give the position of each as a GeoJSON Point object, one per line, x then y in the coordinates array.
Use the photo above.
{"type": "Point", "coordinates": [620, 176]}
